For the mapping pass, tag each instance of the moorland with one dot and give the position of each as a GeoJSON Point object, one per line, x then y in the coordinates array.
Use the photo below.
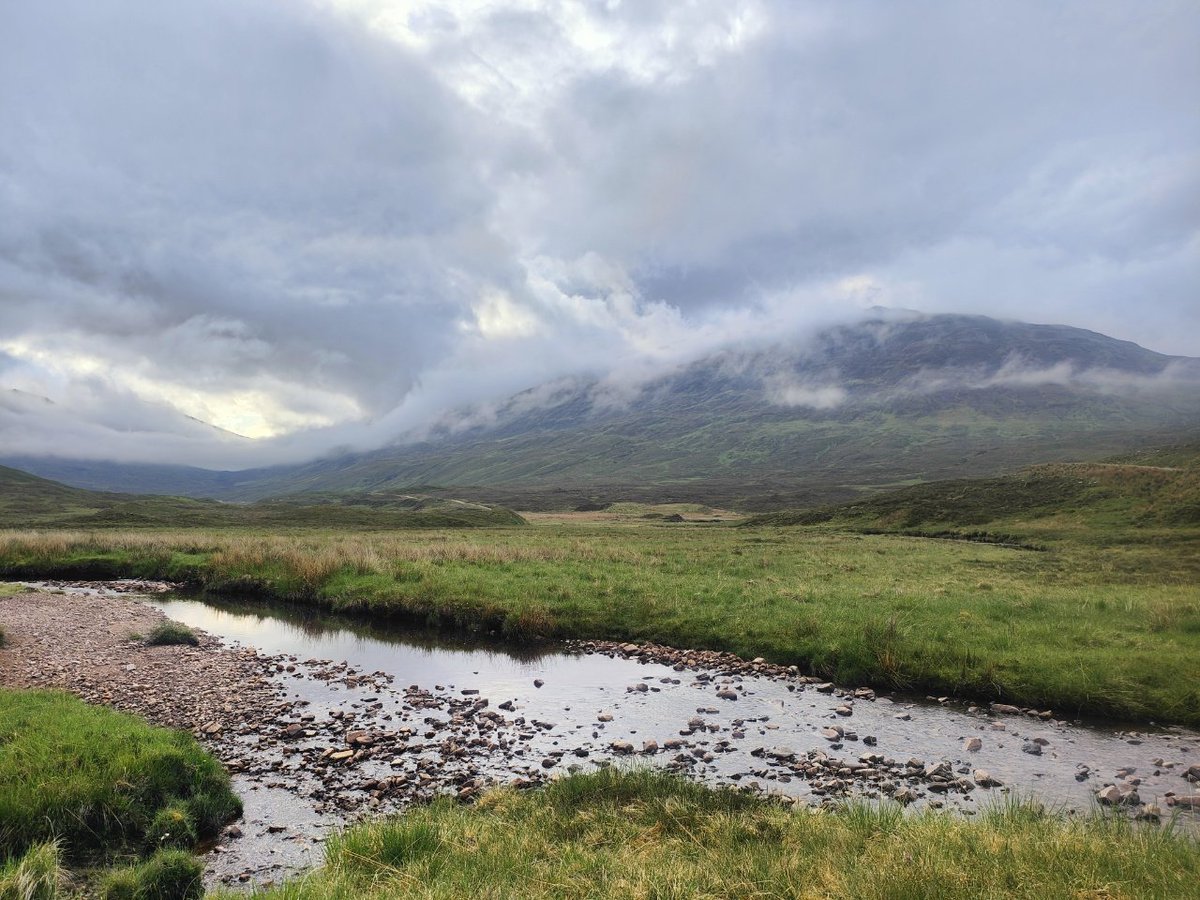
{"type": "Point", "coordinates": [1065, 586]}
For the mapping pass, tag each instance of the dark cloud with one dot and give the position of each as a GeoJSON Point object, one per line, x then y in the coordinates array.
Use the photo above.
{"type": "Point", "coordinates": [331, 220]}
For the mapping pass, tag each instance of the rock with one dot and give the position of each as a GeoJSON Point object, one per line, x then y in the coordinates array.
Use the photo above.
{"type": "Point", "coordinates": [1149, 813]}
{"type": "Point", "coordinates": [939, 768]}
{"type": "Point", "coordinates": [985, 779]}
{"type": "Point", "coordinates": [727, 694]}
{"type": "Point", "coordinates": [549, 763]}
{"type": "Point", "coordinates": [212, 728]}
{"type": "Point", "coordinates": [973, 744]}
{"type": "Point", "coordinates": [844, 711]}
{"type": "Point", "coordinates": [1005, 709]}
{"type": "Point", "coordinates": [903, 717]}
{"type": "Point", "coordinates": [360, 738]}
{"type": "Point", "coordinates": [831, 734]}
{"type": "Point", "coordinates": [604, 717]}
{"type": "Point", "coordinates": [826, 688]}
{"type": "Point", "coordinates": [1192, 773]}
{"type": "Point", "coordinates": [233, 832]}
{"type": "Point", "coordinates": [537, 682]}
{"type": "Point", "coordinates": [649, 746]}
{"type": "Point", "coordinates": [1191, 801]}
{"type": "Point", "coordinates": [641, 687]}
{"type": "Point", "coordinates": [781, 753]}
{"type": "Point", "coordinates": [294, 730]}
{"type": "Point", "coordinates": [621, 747]}
{"type": "Point", "coordinates": [1033, 749]}
{"type": "Point", "coordinates": [341, 755]}
{"type": "Point", "coordinates": [1115, 796]}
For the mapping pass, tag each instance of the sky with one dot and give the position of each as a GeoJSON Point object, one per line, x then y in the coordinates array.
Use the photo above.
{"type": "Point", "coordinates": [239, 232]}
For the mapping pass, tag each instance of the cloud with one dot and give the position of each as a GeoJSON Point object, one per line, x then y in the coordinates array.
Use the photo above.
{"type": "Point", "coordinates": [323, 223]}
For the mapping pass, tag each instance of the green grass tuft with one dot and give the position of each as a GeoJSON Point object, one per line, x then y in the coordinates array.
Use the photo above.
{"type": "Point", "coordinates": [168, 875]}
{"type": "Point", "coordinates": [171, 633]}
{"type": "Point", "coordinates": [38, 875]}
{"type": "Point", "coordinates": [95, 780]}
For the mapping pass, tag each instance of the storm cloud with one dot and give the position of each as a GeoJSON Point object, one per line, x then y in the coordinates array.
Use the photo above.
{"type": "Point", "coordinates": [322, 223]}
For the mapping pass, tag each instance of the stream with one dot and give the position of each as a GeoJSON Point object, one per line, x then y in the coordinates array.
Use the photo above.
{"type": "Point", "coordinates": [389, 717]}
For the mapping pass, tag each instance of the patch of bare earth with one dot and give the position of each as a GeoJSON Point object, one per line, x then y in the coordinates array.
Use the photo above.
{"type": "Point", "coordinates": [86, 645]}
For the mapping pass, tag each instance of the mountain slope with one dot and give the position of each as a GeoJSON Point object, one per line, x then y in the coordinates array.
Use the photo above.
{"type": "Point", "coordinates": [897, 398]}
{"type": "Point", "coordinates": [1148, 490]}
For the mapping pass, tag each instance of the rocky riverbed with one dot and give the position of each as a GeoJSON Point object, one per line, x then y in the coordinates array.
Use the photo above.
{"type": "Point", "coordinates": [320, 725]}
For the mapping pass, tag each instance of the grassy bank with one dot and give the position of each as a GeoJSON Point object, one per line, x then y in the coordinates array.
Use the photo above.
{"type": "Point", "coordinates": [1100, 627]}
{"type": "Point", "coordinates": [647, 835]}
{"type": "Point", "coordinates": [86, 787]}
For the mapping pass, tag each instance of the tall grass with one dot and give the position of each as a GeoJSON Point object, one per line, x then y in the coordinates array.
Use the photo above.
{"type": "Point", "coordinates": [38, 875]}
{"type": "Point", "coordinates": [641, 834]}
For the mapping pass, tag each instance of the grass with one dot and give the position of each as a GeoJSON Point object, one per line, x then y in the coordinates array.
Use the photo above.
{"type": "Point", "coordinates": [171, 633]}
{"type": "Point", "coordinates": [38, 875]}
{"type": "Point", "coordinates": [641, 834]}
{"type": "Point", "coordinates": [1105, 625]}
{"type": "Point", "coordinates": [96, 782]}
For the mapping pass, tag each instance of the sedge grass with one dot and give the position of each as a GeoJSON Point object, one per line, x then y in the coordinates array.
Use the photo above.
{"type": "Point", "coordinates": [1102, 627]}
{"type": "Point", "coordinates": [640, 835]}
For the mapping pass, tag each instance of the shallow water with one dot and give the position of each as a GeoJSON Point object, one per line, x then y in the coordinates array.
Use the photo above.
{"type": "Point", "coordinates": [771, 713]}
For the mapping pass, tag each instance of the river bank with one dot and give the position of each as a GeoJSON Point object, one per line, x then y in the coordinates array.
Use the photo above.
{"type": "Point", "coordinates": [322, 726]}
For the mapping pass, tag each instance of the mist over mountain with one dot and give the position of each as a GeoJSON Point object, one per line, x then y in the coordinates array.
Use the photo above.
{"type": "Point", "coordinates": [895, 398]}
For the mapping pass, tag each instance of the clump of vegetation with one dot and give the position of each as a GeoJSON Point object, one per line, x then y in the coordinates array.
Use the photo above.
{"type": "Point", "coordinates": [642, 834]}
{"type": "Point", "coordinates": [167, 875]}
{"type": "Point", "coordinates": [97, 782]}
{"type": "Point", "coordinates": [172, 826]}
{"type": "Point", "coordinates": [38, 875]}
{"type": "Point", "coordinates": [171, 633]}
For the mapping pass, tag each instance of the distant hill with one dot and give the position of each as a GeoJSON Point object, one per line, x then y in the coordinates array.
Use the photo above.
{"type": "Point", "coordinates": [1151, 489]}
{"type": "Point", "coordinates": [898, 398]}
{"type": "Point", "coordinates": [27, 501]}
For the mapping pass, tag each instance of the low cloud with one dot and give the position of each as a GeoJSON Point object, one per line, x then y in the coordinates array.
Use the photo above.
{"type": "Point", "coordinates": [782, 391]}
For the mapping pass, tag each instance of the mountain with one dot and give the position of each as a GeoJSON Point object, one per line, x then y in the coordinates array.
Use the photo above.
{"type": "Point", "coordinates": [894, 399]}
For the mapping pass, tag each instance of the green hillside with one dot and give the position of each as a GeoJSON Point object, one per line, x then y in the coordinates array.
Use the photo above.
{"type": "Point", "coordinates": [1144, 490]}
{"type": "Point", "coordinates": [27, 501]}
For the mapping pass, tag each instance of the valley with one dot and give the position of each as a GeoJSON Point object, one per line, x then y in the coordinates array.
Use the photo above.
{"type": "Point", "coordinates": [902, 623]}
